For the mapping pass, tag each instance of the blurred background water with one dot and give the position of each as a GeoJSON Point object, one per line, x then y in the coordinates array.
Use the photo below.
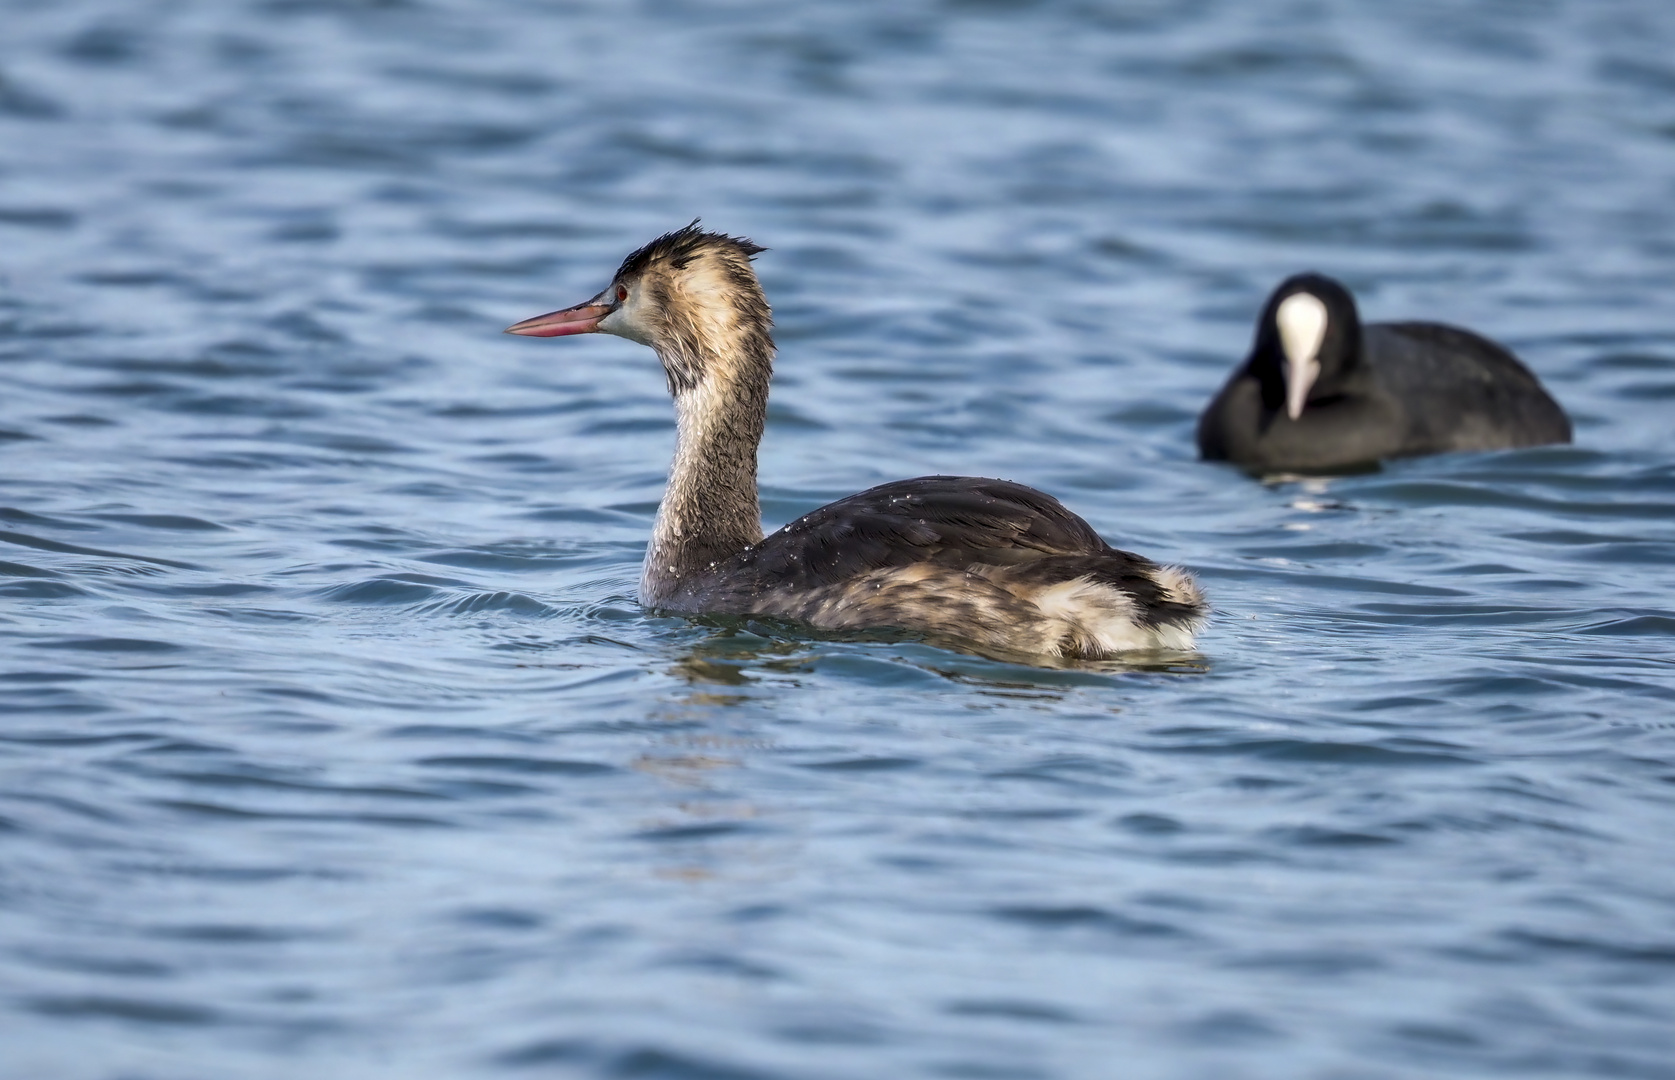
{"type": "Point", "coordinates": [333, 743]}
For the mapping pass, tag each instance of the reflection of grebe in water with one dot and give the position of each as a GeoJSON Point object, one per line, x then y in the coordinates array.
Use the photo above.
{"type": "Point", "coordinates": [993, 562]}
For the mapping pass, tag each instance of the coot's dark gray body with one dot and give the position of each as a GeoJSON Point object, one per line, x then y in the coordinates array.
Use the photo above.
{"type": "Point", "coordinates": [990, 562]}
{"type": "Point", "coordinates": [1383, 390]}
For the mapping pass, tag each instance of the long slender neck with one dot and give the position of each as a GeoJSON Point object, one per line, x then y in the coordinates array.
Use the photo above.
{"type": "Point", "coordinates": [710, 508]}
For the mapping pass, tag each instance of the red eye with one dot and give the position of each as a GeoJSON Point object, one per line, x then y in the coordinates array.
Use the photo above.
{"type": "Point", "coordinates": [621, 293]}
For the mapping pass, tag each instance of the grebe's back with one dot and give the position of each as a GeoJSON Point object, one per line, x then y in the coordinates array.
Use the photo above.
{"type": "Point", "coordinates": [989, 561]}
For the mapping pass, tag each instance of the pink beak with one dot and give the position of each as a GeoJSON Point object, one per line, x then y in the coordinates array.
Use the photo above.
{"type": "Point", "coordinates": [581, 319]}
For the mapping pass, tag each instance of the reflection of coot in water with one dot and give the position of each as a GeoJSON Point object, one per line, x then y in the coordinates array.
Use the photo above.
{"type": "Point", "coordinates": [989, 561]}
{"type": "Point", "coordinates": [1322, 391]}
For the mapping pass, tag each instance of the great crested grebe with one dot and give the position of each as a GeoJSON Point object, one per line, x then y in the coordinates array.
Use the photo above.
{"type": "Point", "coordinates": [1322, 391]}
{"type": "Point", "coordinates": [995, 563]}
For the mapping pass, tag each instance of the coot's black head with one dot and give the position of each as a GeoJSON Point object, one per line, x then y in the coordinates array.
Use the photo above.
{"type": "Point", "coordinates": [1307, 341]}
{"type": "Point", "coordinates": [691, 295]}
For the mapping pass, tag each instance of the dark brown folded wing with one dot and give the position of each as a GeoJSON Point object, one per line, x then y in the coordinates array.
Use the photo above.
{"type": "Point", "coordinates": [951, 521]}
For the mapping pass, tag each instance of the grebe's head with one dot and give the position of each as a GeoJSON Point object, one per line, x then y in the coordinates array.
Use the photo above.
{"type": "Point", "coordinates": [691, 295]}
{"type": "Point", "coordinates": [1309, 335]}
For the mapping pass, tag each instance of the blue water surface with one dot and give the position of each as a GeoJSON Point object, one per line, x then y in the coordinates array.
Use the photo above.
{"type": "Point", "coordinates": [333, 743]}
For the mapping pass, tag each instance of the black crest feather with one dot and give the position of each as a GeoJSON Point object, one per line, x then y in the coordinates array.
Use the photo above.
{"type": "Point", "coordinates": [680, 247]}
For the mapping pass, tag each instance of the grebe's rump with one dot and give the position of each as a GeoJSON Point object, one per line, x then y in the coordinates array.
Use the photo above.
{"type": "Point", "coordinates": [1321, 391]}
{"type": "Point", "coordinates": [994, 563]}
